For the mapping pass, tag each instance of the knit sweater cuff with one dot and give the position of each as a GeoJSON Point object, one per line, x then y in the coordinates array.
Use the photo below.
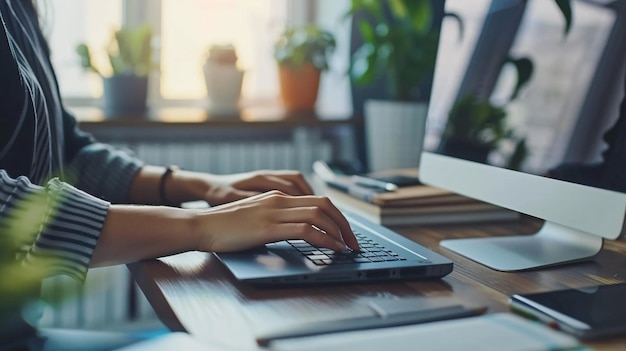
{"type": "Point", "coordinates": [69, 232]}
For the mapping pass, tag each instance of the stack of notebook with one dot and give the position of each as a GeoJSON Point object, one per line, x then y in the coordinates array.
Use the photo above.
{"type": "Point", "coordinates": [410, 205]}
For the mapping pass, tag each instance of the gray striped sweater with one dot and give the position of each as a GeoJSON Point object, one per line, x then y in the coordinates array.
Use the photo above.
{"type": "Point", "coordinates": [45, 159]}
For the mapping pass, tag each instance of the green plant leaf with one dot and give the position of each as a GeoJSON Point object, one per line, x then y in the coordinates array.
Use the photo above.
{"type": "Point", "coordinates": [306, 44]}
{"type": "Point", "coordinates": [362, 65]}
{"type": "Point", "coordinates": [477, 123]}
{"type": "Point", "coordinates": [85, 58]}
{"type": "Point", "coordinates": [459, 20]}
{"type": "Point", "coordinates": [520, 153]}
{"type": "Point", "coordinates": [419, 13]}
{"type": "Point", "coordinates": [400, 51]}
{"type": "Point", "coordinates": [130, 50]}
{"type": "Point", "coordinates": [524, 67]}
{"type": "Point", "coordinates": [117, 64]}
{"type": "Point", "coordinates": [566, 9]}
{"type": "Point", "coordinates": [372, 7]}
{"type": "Point", "coordinates": [367, 31]}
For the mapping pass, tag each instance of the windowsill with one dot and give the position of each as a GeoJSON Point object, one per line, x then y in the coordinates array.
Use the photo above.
{"type": "Point", "coordinates": [252, 114]}
{"type": "Point", "coordinates": [259, 115]}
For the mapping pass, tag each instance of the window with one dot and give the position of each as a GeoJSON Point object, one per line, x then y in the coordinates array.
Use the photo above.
{"type": "Point", "coordinates": [184, 30]}
{"type": "Point", "coordinates": [190, 26]}
{"type": "Point", "coordinates": [69, 22]}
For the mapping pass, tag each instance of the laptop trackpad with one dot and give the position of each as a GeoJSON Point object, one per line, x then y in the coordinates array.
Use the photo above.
{"type": "Point", "coordinates": [277, 256]}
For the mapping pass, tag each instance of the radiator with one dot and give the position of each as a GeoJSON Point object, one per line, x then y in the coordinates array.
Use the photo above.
{"type": "Point", "coordinates": [230, 157]}
{"type": "Point", "coordinates": [104, 300]}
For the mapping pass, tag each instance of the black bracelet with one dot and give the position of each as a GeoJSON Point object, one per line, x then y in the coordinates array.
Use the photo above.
{"type": "Point", "coordinates": [169, 170]}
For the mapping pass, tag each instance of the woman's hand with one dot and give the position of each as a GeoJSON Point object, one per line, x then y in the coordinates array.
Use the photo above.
{"type": "Point", "coordinates": [271, 217]}
{"type": "Point", "coordinates": [220, 189]}
{"type": "Point", "coordinates": [228, 188]}
{"type": "Point", "coordinates": [131, 233]}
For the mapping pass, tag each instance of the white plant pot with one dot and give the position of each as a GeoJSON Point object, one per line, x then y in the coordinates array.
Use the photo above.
{"type": "Point", "coordinates": [223, 85]}
{"type": "Point", "coordinates": [394, 133]}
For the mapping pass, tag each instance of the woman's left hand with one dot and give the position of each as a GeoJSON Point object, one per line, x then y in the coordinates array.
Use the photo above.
{"type": "Point", "coordinates": [221, 189]}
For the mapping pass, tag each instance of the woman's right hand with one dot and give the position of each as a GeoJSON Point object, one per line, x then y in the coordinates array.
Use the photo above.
{"type": "Point", "coordinates": [270, 217]}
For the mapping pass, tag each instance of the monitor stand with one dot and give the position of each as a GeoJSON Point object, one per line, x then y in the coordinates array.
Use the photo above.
{"type": "Point", "coordinates": [553, 244]}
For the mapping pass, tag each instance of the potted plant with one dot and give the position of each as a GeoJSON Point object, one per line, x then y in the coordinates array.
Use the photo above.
{"type": "Point", "coordinates": [399, 43]}
{"type": "Point", "coordinates": [223, 80]}
{"type": "Point", "coordinates": [130, 58]}
{"type": "Point", "coordinates": [302, 53]}
{"type": "Point", "coordinates": [476, 128]}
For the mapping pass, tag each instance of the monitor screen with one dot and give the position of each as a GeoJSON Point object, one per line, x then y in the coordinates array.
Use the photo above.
{"type": "Point", "coordinates": [512, 100]}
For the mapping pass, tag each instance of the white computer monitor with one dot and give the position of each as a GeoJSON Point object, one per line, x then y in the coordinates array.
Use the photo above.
{"type": "Point", "coordinates": [577, 218]}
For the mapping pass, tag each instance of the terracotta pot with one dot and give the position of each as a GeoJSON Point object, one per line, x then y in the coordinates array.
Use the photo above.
{"type": "Point", "coordinates": [299, 86]}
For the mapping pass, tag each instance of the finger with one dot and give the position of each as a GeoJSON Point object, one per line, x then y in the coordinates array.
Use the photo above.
{"type": "Point", "coordinates": [331, 211]}
{"type": "Point", "coordinates": [287, 186]}
{"type": "Point", "coordinates": [304, 231]}
{"type": "Point", "coordinates": [254, 196]}
{"type": "Point", "coordinates": [237, 194]}
{"type": "Point", "coordinates": [314, 216]}
{"type": "Point", "coordinates": [264, 182]}
{"type": "Point", "coordinates": [346, 230]}
{"type": "Point", "coordinates": [298, 179]}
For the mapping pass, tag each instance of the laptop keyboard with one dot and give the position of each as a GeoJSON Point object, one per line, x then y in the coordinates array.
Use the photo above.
{"type": "Point", "coordinates": [371, 251]}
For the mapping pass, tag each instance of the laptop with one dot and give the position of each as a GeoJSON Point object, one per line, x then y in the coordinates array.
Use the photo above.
{"type": "Point", "coordinates": [385, 255]}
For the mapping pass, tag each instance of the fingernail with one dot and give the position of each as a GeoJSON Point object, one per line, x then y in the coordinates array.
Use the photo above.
{"type": "Point", "coordinates": [343, 247]}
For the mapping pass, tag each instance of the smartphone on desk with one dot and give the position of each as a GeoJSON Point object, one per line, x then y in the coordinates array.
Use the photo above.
{"type": "Point", "coordinates": [587, 313]}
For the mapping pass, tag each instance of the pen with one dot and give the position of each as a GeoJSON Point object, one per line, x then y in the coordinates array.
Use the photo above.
{"type": "Point", "coordinates": [374, 183]}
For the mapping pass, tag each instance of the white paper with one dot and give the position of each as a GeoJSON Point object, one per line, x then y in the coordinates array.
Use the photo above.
{"type": "Point", "coordinates": [499, 331]}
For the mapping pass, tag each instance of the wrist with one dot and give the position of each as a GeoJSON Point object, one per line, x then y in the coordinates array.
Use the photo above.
{"type": "Point", "coordinates": [202, 235]}
{"type": "Point", "coordinates": [131, 233]}
{"type": "Point", "coordinates": [163, 185]}
{"type": "Point", "coordinates": [185, 186]}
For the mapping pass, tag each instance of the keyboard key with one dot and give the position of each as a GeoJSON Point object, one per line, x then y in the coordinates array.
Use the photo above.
{"type": "Point", "coordinates": [296, 242]}
{"type": "Point", "coordinates": [370, 251]}
{"type": "Point", "coordinates": [315, 253]}
{"type": "Point", "coordinates": [388, 258]}
{"type": "Point", "coordinates": [342, 260]}
{"type": "Point", "coordinates": [317, 257]}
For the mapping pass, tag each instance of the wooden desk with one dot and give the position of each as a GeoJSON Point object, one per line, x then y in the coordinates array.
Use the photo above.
{"type": "Point", "coordinates": [194, 292]}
